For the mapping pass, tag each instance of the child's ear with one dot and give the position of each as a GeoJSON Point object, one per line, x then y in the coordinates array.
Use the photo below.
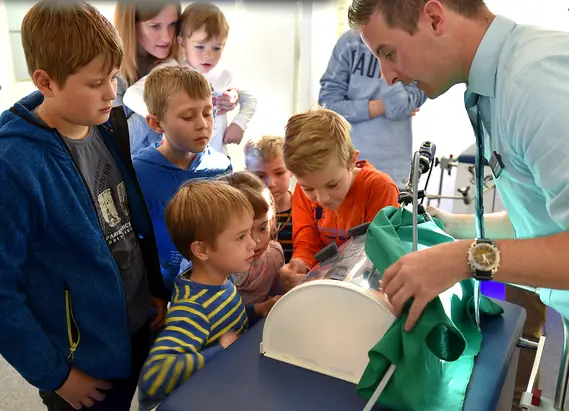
{"type": "Point", "coordinates": [181, 42]}
{"type": "Point", "coordinates": [154, 123]}
{"type": "Point", "coordinates": [199, 249]}
{"type": "Point", "coordinates": [354, 159]}
{"type": "Point", "coordinates": [43, 82]}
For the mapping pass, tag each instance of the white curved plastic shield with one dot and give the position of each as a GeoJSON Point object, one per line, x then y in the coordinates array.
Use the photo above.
{"type": "Point", "coordinates": [327, 326]}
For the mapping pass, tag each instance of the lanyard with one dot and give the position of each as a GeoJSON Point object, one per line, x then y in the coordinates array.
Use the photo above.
{"type": "Point", "coordinates": [478, 198]}
{"type": "Point", "coordinates": [479, 178]}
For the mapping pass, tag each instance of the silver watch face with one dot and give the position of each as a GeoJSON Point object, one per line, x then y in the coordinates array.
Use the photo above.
{"type": "Point", "coordinates": [484, 257]}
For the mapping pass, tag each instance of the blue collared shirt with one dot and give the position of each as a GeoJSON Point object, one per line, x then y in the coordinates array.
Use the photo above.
{"type": "Point", "coordinates": [522, 76]}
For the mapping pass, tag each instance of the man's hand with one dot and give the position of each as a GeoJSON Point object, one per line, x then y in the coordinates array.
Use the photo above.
{"type": "Point", "coordinates": [262, 309]}
{"type": "Point", "coordinates": [228, 338]}
{"type": "Point", "coordinates": [80, 390]}
{"type": "Point", "coordinates": [423, 275]}
{"type": "Point", "coordinates": [233, 134]}
{"type": "Point", "coordinates": [227, 101]}
{"type": "Point", "coordinates": [160, 306]}
{"type": "Point", "coordinates": [292, 273]}
{"type": "Point", "coordinates": [415, 111]}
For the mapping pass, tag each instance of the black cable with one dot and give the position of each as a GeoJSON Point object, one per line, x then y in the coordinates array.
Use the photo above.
{"type": "Point", "coordinates": [428, 178]}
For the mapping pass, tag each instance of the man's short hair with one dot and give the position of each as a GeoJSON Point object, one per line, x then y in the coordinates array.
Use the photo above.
{"type": "Point", "coordinates": [202, 14]}
{"type": "Point", "coordinates": [266, 148]}
{"type": "Point", "coordinates": [315, 139]}
{"type": "Point", "coordinates": [201, 210]}
{"type": "Point", "coordinates": [405, 14]}
{"type": "Point", "coordinates": [63, 37]}
{"type": "Point", "coordinates": [162, 82]}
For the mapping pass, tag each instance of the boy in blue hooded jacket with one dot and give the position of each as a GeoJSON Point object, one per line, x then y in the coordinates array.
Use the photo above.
{"type": "Point", "coordinates": [78, 263]}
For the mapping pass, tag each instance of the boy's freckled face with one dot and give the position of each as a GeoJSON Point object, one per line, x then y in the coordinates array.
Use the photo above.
{"type": "Point", "coordinates": [327, 187]}
{"type": "Point", "coordinates": [202, 53]}
{"type": "Point", "coordinates": [87, 96]}
{"type": "Point", "coordinates": [273, 173]}
{"type": "Point", "coordinates": [235, 248]}
{"type": "Point", "coordinates": [188, 122]}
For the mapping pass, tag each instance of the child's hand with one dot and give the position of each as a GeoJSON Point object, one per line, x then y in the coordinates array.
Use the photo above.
{"type": "Point", "coordinates": [292, 273]}
{"type": "Point", "coordinates": [80, 390]}
{"type": "Point", "coordinates": [227, 101]}
{"type": "Point", "coordinates": [233, 134]}
{"type": "Point", "coordinates": [414, 112]}
{"type": "Point", "coordinates": [228, 338]}
{"type": "Point", "coordinates": [262, 309]}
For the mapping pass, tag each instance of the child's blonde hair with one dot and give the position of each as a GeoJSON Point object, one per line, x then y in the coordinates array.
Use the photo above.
{"type": "Point", "coordinates": [254, 190]}
{"type": "Point", "coordinates": [162, 82]}
{"type": "Point", "coordinates": [201, 210]}
{"type": "Point", "coordinates": [127, 14]}
{"type": "Point", "coordinates": [62, 38]}
{"type": "Point", "coordinates": [266, 148]}
{"type": "Point", "coordinates": [315, 139]}
{"type": "Point", "coordinates": [202, 14]}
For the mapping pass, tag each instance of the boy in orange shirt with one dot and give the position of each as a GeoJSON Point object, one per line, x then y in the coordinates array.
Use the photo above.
{"type": "Point", "coordinates": [335, 191]}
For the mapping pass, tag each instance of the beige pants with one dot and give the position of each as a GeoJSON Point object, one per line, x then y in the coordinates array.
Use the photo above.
{"type": "Point", "coordinates": [533, 328]}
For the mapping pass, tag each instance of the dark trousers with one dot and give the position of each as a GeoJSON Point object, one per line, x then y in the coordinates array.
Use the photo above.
{"type": "Point", "coordinates": [119, 397]}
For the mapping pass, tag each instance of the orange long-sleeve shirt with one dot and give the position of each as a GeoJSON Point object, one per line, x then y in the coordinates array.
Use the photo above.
{"type": "Point", "coordinates": [371, 191]}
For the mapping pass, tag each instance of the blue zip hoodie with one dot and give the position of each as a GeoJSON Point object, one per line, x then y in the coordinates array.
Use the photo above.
{"type": "Point", "coordinates": [353, 77]}
{"type": "Point", "coordinates": [59, 283]}
{"type": "Point", "coordinates": [160, 179]}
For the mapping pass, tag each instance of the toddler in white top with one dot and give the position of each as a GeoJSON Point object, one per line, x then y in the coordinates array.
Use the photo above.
{"type": "Point", "coordinates": [203, 33]}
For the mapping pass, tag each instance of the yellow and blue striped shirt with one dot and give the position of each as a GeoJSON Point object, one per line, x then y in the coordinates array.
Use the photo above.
{"type": "Point", "coordinates": [198, 316]}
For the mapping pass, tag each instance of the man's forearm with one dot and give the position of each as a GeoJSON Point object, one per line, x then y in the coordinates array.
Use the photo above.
{"type": "Point", "coordinates": [537, 262]}
{"type": "Point", "coordinates": [497, 226]}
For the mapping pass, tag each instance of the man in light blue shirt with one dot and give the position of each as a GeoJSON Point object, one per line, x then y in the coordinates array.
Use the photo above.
{"type": "Point", "coordinates": [521, 77]}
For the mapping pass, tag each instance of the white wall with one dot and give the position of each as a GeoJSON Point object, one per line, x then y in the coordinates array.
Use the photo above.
{"type": "Point", "coordinates": [260, 52]}
{"type": "Point", "coordinates": [5, 69]}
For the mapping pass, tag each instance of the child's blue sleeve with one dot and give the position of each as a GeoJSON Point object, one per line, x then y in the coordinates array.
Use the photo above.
{"type": "Point", "coordinates": [399, 100]}
{"type": "Point", "coordinates": [23, 343]}
{"type": "Point", "coordinates": [335, 82]}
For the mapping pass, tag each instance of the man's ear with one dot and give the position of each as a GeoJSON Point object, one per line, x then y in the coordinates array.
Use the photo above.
{"type": "Point", "coordinates": [154, 123]}
{"type": "Point", "coordinates": [434, 15]}
{"type": "Point", "coordinates": [43, 82]}
{"type": "Point", "coordinates": [199, 249]}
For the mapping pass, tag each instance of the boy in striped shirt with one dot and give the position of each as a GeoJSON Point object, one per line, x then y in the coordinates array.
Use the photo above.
{"type": "Point", "coordinates": [210, 224]}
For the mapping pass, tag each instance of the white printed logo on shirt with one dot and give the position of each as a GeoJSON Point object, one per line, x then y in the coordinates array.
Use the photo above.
{"type": "Point", "coordinates": [123, 199]}
{"type": "Point", "coordinates": [108, 209]}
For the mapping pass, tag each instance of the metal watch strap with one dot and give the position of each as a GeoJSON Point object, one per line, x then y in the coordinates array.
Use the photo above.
{"type": "Point", "coordinates": [479, 274]}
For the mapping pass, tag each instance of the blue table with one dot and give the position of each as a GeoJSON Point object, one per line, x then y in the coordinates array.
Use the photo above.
{"type": "Point", "coordinates": [240, 379]}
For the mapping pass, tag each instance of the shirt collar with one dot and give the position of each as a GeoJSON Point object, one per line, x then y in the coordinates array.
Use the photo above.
{"type": "Point", "coordinates": [482, 75]}
{"type": "Point", "coordinates": [194, 164]}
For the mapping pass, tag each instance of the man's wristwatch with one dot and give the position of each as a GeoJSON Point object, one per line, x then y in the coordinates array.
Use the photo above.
{"type": "Point", "coordinates": [483, 259]}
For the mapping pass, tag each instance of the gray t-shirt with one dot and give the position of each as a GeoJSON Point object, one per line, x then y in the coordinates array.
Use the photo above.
{"type": "Point", "coordinates": [108, 192]}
